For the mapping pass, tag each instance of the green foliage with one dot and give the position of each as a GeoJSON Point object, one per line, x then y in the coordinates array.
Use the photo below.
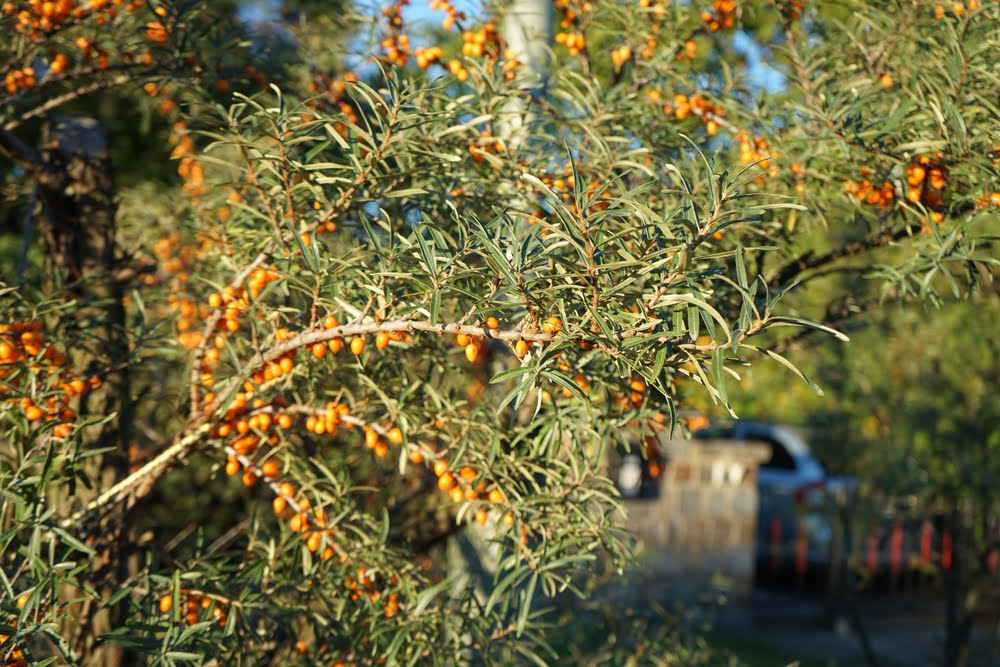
{"type": "Point", "coordinates": [640, 234]}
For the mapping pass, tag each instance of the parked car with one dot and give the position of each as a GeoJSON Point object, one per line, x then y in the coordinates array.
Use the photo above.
{"type": "Point", "coordinates": [795, 522]}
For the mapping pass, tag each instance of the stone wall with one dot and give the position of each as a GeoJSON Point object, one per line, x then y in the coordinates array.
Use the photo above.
{"type": "Point", "coordinates": [697, 523]}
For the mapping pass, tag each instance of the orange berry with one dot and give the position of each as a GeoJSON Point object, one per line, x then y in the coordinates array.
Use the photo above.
{"type": "Point", "coordinates": [33, 413]}
{"type": "Point", "coordinates": [232, 467]}
{"type": "Point", "coordinates": [552, 325]}
{"type": "Point", "coordinates": [456, 494]}
{"type": "Point", "coordinates": [468, 473]}
{"type": "Point", "coordinates": [166, 604]}
{"type": "Point", "coordinates": [335, 345]}
{"type": "Point", "coordinates": [319, 350]}
{"type": "Point", "coordinates": [416, 456]}
{"type": "Point", "coordinates": [382, 340]}
{"type": "Point", "coordinates": [270, 468]}
{"type": "Point", "coordinates": [462, 340]}
{"type": "Point", "coordinates": [481, 517]}
{"type": "Point", "coordinates": [286, 490]}
{"type": "Point", "coordinates": [279, 505]}
{"type": "Point", "coordinates": [520, 349]}
{"type": "Point", "coordinates": [495, 496]}
{"type": "Point", "coordinates": [249, 478]}
{"type": "Point", "coordinates": [446, 481]}
{"type": "Point", "coordinates": [440, 467]}
{"type": "Point", "coordinates": [286, 364]}
{"type": "Point", "coordinates": [357, 345]}
{"type": "Point", "coordinates": [395, 436]}
{"type": "Point", "coordinates": [508, 519]}
{"type": "Point", "coordinates": [381, 449]}
{"type": "Point", "coordinates": [492, 323]}
{"type": "Point", "coordinates": [472, 352]}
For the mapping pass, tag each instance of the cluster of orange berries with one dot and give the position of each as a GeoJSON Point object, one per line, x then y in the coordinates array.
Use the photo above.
{"type": "Point", "coordinates": [683, 106]}
{"type": "Point", "coordinates": [573, 41]}
{"type": "Point", "coordinates": [336, 91]}
{"type": "Point", "coordinates": [397, 49]}
{"type": "Point", "coordinates": [191, 171]}
{"type": "Point", "coordinates": [621, 55]}
{"type": "Point", "coordinates": [926, 179]}
{"type": "Point", "coordinates": [658, 10]}
{"type": "Point", "coordinates": [574, 13]}
{"type": "Point", "coordinates": [14, 655]}
{"type": "Point", "coordinates": [380, 446]}
{"type": "Point", "coordinates": [427, 57]}
{"type": "Point", "coordinates": [22, 342]}
{"type": "Point", "coordinates": [458, 70]}
{"type": "Point", "coordinates": [19, 79]}
{"type": "Point", "coordinates": [580, 380]}
{"type": "Point", "coordinates": [238, 301]}
{"type": "Point", "coordinates": [754, 150]}
{"type": "Point", "coordinates": [722, 16]}
{"type": "Point", "coordinates": [866, 192]}
{"type": "Point", "coordinates": [249, 424]}
{"type": "Point", "coordinates": [957, 8]}
{"type": "Point", "coordinates": [328, 421]}
{"type": "Point", "coordinates": [487, 144]}
{"type": "Point", "coordinates": [453, 14]}
{"type": "Point", "coordinates": [484, 41]}
{"type": "Point", "coordinates": [690, 50]}
{"type": "Point", "coordinates": [636, 395]}
{"type": "Point", "coordinates": [196, 607]}
{"type": "Point", "coordinates": [365, 584]}
{"type": "Point", "coordinates": [474, 346]}
{"type": "Point", "coordinates": [189, 316]}
{"type": "Point", "coordinates": [394, 13]}
{"type": "Point", "coordinates": [313, 526]}
{"type": "Point", "coordinates": [460, 487]}
{"type": "Point", "coordinates": [175, 258]}
{"type": "Point", "coordinates": [40, 16]}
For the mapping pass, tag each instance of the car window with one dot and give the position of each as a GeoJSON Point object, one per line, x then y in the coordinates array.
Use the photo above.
{"type": "Point", "coordinates": [780, 458]}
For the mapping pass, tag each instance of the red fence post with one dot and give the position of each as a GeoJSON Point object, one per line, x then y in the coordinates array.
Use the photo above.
{"type": "Point", "coordinates": [946, 550]}
{"type": "Point", "coordinates": [801, 549]}
{"type": "Point", "coordinates": [926, 534]}
{"type": "Point", "coordinates": [872, 555]}
{"type": "Point", "coordinates": [991, 557]}
{"type": "Point", "coordinates": [896, 548]}
{"type": "Point", "coordinates": [775, 545]}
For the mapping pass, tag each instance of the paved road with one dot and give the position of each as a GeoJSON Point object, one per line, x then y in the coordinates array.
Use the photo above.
{"type": "Point", "coordinates": [904, 631]}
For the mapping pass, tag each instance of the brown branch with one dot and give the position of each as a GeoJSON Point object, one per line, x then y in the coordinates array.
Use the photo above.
{"type": "Point", "coordinates": [27, 158]}
{"type": "Point", "coordinates": [808, 260]}
{"type": "Point", "coordinates": [59, 100]}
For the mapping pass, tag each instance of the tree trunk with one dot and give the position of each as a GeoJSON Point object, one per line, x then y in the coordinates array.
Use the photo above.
{"type": "Point", "coordinates": [79, 234]}
{"type": "Point", "coordinates": [958, 611]}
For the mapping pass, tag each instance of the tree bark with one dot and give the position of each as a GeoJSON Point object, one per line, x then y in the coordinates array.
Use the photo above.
{"type": "Point", "coordinates": [79, 232]}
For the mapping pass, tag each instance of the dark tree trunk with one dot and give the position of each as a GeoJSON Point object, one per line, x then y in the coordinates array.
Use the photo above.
{"type": "Point", "coordinates": [78, 230]}
{"type": "Point", "coordinates": [958, 614]}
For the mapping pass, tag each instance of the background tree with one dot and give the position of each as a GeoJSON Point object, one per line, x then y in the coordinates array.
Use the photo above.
{"type": "Point", "coordinates": [361, 292]}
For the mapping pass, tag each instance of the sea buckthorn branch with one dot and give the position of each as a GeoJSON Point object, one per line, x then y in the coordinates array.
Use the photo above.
{"type": "Point", "coordinates": [815, 102]}
{"type": "Point", "coordinates": [808, 260]}
{"type": "Point", "coordinates": [75, 94]}
{"type": "Point", "coordinates": [297, 507]}
{"type": "Point", "coordinates": [146, 475]}
{"type": "Point", "coordinates": [331, 214]}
